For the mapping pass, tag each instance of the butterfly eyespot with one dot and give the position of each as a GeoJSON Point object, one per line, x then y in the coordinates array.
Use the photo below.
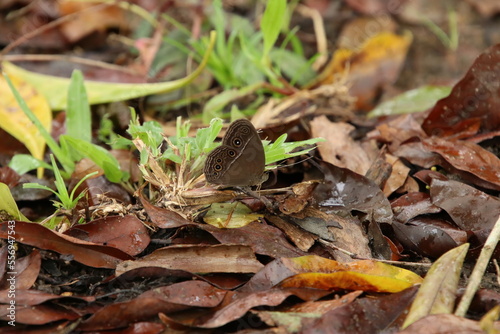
{"type": "Point", "coordinates": [215, 173]}
{"type": "Point", "coordinates": [218, 160]}
{"type": "Point", "coordinates": [231, 153]}
{"type": "Point", "coordinates": [218, 167]}
{"type": "Point", "coordinates": [237, 142]}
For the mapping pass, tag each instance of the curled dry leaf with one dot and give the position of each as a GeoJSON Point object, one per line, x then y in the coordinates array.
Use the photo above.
{"type": "Point", "coordinates": [412, 205]}
{"type": "Point", "coordinates": [340, 149]}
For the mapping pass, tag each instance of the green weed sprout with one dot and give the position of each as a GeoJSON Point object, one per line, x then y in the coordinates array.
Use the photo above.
{"type": "Point", "coordinates": [67, 201]}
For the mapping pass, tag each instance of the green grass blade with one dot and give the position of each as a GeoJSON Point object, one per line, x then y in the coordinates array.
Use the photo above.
{"type": "Point", "coordinates": [78, 120]}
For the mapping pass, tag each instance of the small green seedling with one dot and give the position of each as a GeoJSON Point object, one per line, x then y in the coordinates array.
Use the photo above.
{"type": "Point", "coordinates": [67, 201]}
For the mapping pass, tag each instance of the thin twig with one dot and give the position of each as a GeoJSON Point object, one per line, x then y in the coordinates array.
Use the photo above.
{"type": "Point", "coordinates": [357, 257]}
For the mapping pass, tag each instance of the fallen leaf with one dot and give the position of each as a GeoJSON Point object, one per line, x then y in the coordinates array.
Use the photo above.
{"type": "Point", "coordinates": [445, 323]}
{"type": "Point", "coordinates": [429, 237]}
{"type": "Point", "coordinates": [263, 239]}
{"type": "Point", "coordinates": [475, 98]}
{"type": "Point", "coordinates": [398, 175]}
{"type": "Point", "coordinates": [88, 253]}
{"type": "Point", "coordinates": [88, 21]}
{"type": "Point", "coordinates": [414, 100]}
{"type": "Point", "coordinates": [412, 205]}
{"type": "Point", "coordinates": [230, 215]}
{"type": "Point", "coordinates": [437, 293]}
{"type": "Point", "coordinates": [340, 149]}
{"type": "Point", "coordinates": [373, 314]}
{"type": "Point", "coordinates": [470, 208]}
{"type": "Point", "coordinates": [363, 275]}
{"type": "Point", "coordinates": [100, 92]}
{"type": "Point", "coordinates": [15, 121]}
{"type": "Point", "coordinates": [198, 259]}
{"type": "Point", "coordinates": [468, 157]}
{"type": "Point", "coordinates": [343, 189]}
{"type": "Point", "coordinates": [125, 233]}
{"type": "Point", "coordinates": [25, 272]}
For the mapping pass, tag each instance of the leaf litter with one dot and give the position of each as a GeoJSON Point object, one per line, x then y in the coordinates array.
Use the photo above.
{"type": "Point", "coordinates": [418, 188]}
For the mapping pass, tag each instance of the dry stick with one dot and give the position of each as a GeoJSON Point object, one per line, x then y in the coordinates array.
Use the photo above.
{"type": "Point", "coordinates": [319, 30]}
{"type": "Point", "coordinates": [73, 59]}
{"type": "Point", "coordinates": [479, 269]}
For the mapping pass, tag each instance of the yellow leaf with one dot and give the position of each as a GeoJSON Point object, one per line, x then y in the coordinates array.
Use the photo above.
{"type": "Point", "coordinates": [230, 215]}
{"type": "Point", "coordinates": [367, 275]}
{"type": "Point", "coordinates": [16, 123]}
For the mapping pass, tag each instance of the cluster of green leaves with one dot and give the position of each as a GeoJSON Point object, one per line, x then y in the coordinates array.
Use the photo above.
{"type": "Point", "coordinates": [247, 58]}
{"type": "Point", "coordinates": [191, 151]}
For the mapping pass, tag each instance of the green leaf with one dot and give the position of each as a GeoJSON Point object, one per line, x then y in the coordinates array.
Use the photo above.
{"type": "Point", "coordinates": [23, 163]}
{"type": "Point", "coordinates": [103, 92]}
{"type": "Point", "coordinates": [271, 23]}
{"type": "Point", "coordinates": [215, 105]}
{"type": "Point", "coordinates": [100, 156]}
{"type": "Point", "coordinates": [296, 67]}
{"type": "Point", "coordinates": [415, 100]}
{"type": "Point", "coordinates": [78, 120]}
{"type": "Point", "coordinates": [8, 204]}
{"type": "Point", "coordinates": [280, 150]}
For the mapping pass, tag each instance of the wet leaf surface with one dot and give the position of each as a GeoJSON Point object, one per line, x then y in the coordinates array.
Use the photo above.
{"type": "Point", "coordinates": [470, 209]}
{"type": "Point", "coordinates": [476, 98]}
{"type": "Point", "coordinates": [345, 190]}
